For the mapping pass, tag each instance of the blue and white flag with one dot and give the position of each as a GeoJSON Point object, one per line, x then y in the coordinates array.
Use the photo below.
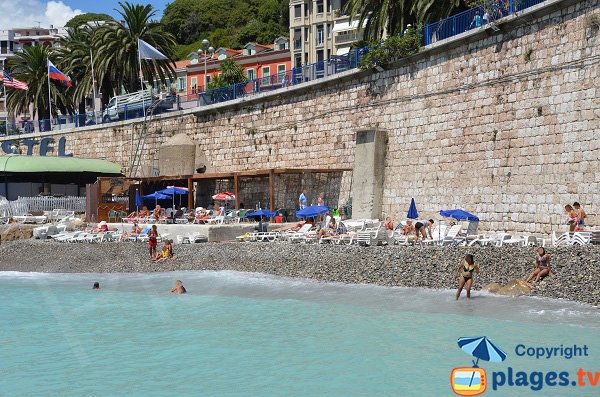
{"type": "Point", "coordinates": [149, 52]}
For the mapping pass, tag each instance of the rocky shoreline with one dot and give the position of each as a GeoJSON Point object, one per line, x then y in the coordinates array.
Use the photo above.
{"type": "Point", "coordinates": [576, 269]}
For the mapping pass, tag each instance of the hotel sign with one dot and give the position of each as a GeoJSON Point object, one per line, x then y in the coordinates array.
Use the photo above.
{"type": "Point", "coordinates": [40, 147]}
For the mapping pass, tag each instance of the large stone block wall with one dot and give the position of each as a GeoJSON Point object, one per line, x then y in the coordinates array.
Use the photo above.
{"type": "Point", "coordinates": [503, 124]}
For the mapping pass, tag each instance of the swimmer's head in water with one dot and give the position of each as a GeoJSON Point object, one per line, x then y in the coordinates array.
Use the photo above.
{"type": "Point", "coordinates": [96, 285]}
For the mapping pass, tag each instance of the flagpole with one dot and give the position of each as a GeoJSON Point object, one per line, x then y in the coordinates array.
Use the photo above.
{"type": "Point", "coordinates": [93, 83]}
{"type": "Point", "coordinates": [141, 79]}
{"type": "Point", "coordinates": [49, 95]}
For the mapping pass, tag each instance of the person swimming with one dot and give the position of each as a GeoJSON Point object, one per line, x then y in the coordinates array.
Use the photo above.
{"type": "Point", "coordinates": [96, 285]}
{"type": "Point", "coordinates": [465, 275]}
{"type": "Point", "coordinates": [179, 288]}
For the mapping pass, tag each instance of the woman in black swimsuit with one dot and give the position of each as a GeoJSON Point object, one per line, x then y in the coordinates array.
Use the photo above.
{"type": "Point", "coordinates": [465, 275]}
{"type": "Point", "coordinates": [541, 266]}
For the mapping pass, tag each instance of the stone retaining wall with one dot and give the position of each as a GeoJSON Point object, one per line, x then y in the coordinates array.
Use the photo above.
{"type": "Point", "coordinates": [504, 124]}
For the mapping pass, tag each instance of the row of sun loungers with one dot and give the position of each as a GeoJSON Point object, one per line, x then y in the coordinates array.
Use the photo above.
{"type": "Point", "coordinates": [374, 234]}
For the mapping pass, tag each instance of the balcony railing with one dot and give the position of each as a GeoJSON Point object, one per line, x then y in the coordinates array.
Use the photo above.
{"type": "Point", "coordinates": [348, 38]}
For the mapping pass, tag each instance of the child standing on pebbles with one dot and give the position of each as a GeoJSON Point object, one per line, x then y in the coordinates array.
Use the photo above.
{"type": "Point", "coordinates": [152, 241]}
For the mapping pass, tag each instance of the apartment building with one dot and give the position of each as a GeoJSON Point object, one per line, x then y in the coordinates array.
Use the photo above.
{"type": "Point", "coordinates": [267, 62]}
{"type": "Point", "coordinates": [14, 40]}
{"type": "Point", "coordinates": [320, 30]}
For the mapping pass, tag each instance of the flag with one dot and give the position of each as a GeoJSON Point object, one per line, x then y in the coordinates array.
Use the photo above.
{"type": "Point", "coordinates": [56, 74]}
{"type": "Point", "coordinates": [9, 81]}
{"type": "Point", "coordinates": [149, 52]}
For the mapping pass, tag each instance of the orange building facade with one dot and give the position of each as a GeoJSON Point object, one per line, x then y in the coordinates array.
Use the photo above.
{"type": "Point", "coordinates": [267, 64]}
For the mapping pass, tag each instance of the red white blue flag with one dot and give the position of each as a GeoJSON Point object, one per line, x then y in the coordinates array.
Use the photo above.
{"type": "Point", "coordinates": [56, 74]}
{"type": "Point", "coordinates": [9, 81]}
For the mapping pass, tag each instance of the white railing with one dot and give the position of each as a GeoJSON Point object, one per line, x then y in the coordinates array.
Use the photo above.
{"type": "Point", "coordinates": [41, 203]}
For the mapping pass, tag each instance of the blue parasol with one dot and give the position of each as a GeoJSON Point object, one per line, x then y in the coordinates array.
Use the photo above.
{"type": "Point", "coordinates": [138, 199]}
{"type": "Point", "coordinates": [412, 210]}
{"type": "Point", "coordinates": [482, 348]}
{"type": "Point", "coordinates": [156, 196]}
{"type": "Point", "coordinates": [312, 211]}
{"type": "Point", "coordinates": [266, 213]}
{"type": "Point", "coordinates": [459, 215]}
{"type": "Point", "coordinates": [173, 190]}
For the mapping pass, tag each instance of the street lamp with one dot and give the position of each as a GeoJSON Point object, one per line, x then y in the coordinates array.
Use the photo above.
{"type": "Point", "coordinates": [211, 50]}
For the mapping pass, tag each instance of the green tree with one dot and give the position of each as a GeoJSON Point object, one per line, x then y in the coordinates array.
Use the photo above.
{"type": "Point", "coordinates": [392, 16]}
{"type": "Point", "coordinates": [117, 48]}
{"type": "Point", "coordinates": [231, 73]}
{"type": "Point", "coordinates": [31, 66]}
{"type": "Point", "coordinates": [83, 19]}
{"type": "Point", "coordinates": [75, 60]}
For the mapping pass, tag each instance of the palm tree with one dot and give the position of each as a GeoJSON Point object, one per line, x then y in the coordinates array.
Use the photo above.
{"type": "Point", "coordinates": [231, 73]}
{"type": "Point", "coordinates": [117, 46]}
{"type": "Point", "coordinates": [31, 66]}
{"type": "Point", "coordinates": [392, 16]}
{"type": "Point", "coordinates": [75, 60]}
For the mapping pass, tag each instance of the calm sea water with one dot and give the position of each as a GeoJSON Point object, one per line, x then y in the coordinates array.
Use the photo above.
{"type": "Point", "coordinates": [237, 334]}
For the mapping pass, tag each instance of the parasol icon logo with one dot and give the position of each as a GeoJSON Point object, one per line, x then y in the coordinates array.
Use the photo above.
{"type": "Point", "coordinates": [472, 381]}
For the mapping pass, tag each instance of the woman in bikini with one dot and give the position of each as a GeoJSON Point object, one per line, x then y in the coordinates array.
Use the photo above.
{"type": "Point", "coordinates": [541, 267]}
{"type": "Point", "coordinates": [465, 275]}
{"type": "Point", "coordinates": [572, 214]}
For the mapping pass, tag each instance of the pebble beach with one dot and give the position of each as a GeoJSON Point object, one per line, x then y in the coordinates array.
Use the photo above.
{"type": "Point", "coordinates": [576, 269]}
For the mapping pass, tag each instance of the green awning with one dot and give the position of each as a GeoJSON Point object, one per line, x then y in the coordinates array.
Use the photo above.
{"type": "Point", "coordinates": [15, 163]}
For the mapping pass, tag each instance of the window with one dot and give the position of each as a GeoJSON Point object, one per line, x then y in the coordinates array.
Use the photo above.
{"type": "Point", "coordinates": [181, 84]}
{"type": "Point", "coordinates": [280, 72]}
{"type": "Point", "coordinates": [298, 61]}
{"type": "Point", "coordinates": [297, 39]}
{"type": "Point", "coordinates": [306, 34]}
{"type": "Point", "coordinates": [266, 75]}
{"type": "Point", "coordinates": [251, 74]}
{"type": "Point", "coordinates": [298, 11]}
{"type": "Point", "coordinates": [306, 9]}
{"type": "Point", "coordinates": [328, 30]}
{"type": "Point", "coordinates": [320, 35]}
{"type": "Point", "coordinates": [320, 7]}
{"type": "Point", "coordinates": [194, 84]}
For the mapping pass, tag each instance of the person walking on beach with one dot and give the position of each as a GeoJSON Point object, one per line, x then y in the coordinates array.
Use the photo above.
{"type": "Point", "coordinates": [179, 288]}
{"type": "Point", "coordinates": [321, 199]}
{"type": "Point", "coordinates": [303, 200]}
{"type": "Point", "coordinates": [541, 267]}
{"type": "Point", "coordinates": [152, 241]}
{"type": "Point", "coordinates": [572, 221]}
{"type": "Point", "coordinates": [581, 215]}
{"type": "Point", "coordinates": [465, 275]}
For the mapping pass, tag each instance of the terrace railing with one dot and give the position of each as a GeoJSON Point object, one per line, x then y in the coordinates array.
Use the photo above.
{"type": "Point", "coordinates": [489, 12]}
{"type": "Point", "coordinates": [49, 203]}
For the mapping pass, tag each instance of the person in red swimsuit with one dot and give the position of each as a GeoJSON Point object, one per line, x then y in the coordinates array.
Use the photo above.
{"type": "Point", "coordinates": [153, 241]}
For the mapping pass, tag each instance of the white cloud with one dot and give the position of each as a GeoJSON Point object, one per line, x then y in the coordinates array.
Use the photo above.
{"type": "Point", "coordinates": [30, 13]}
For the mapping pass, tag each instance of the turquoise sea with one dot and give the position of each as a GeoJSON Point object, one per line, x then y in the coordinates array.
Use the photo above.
{"type": "Point", "coordinates": [239, 334]}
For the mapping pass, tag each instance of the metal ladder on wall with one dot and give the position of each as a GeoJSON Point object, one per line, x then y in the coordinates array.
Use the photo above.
{"type": "Point", "coordinates": [139, 143]}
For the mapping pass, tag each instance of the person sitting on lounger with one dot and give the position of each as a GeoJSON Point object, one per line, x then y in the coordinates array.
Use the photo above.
{"type": "Point", "coordinates": [541, 267]}
{"type": "Point", "coordinates": [179, 288]}
{"type": "Point", "coordinates": [217, 210]}
{"type": "Point", "coordinates": [465, 275]}
{"type": "Point", "coordinates": [330, 230]}
{"type": "Point", "coordinates": [136, 230]}
{"type": "Point", "coordinates": [389, 224]}
{"type": "Point", "coordinates": [157, 213]}
{"type": "Point", "coordinates": [408, 228]}
{"type": "Point", "coordinates": [202, 216]}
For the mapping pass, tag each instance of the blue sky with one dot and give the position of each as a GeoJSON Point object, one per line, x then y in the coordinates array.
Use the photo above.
{"type": "Point", "coordinates": [107, 6]}
{"type": "Point", "coordinates": [31, 13]}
